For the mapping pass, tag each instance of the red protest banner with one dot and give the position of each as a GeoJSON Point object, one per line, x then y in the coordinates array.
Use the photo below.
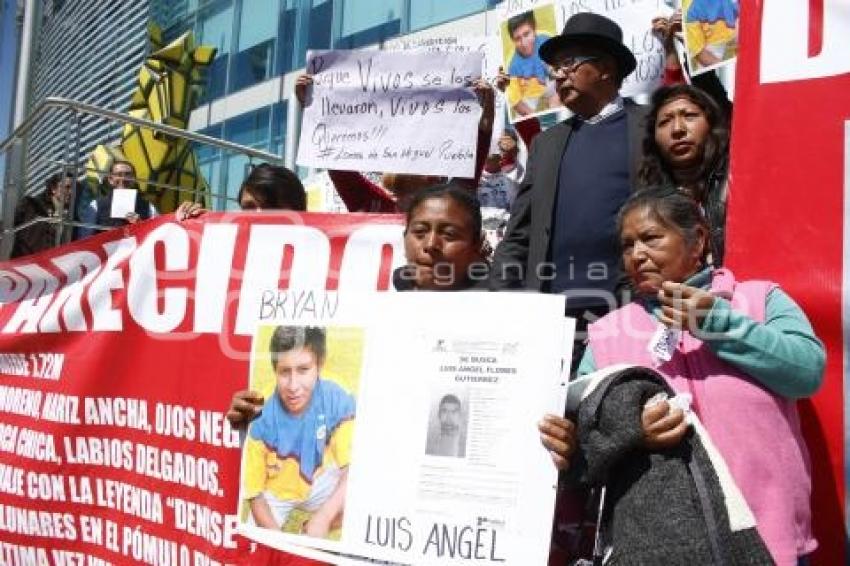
{"type": "Point", "coordinates": [787, 217]}
{"type": "Point", "coordinates": [118, 358]}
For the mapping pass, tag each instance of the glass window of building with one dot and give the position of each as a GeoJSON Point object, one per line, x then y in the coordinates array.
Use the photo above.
{"type": "Point", "coordinates": [215, 27]}
{"type": "Point", "coordinates": [286, 34]}
{"type": "Point", "coordinates": [171, 13]}
{"type": "Point", "coordinates": [425, 13]}
{"type": "Point", "coordinates": [251, 129]}
{"type": "Point", "coordinates": [361, 26]}
{"type": "Point", "coordinates": [254, 57]}
{"type": "Point", "coordinates": [319, 29]}
{"type": "Point", "coordinates": [209, 162]}
{"type": "Point", "coordinates": [236, 168]}
{"type": "Point", "coordinates": [278, 127]}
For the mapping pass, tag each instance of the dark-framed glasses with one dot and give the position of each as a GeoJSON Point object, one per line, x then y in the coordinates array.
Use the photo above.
{"type": "Point", "coordinates": [569, 65]}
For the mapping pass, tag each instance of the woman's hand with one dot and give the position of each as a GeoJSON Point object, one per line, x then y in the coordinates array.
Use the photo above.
{"type": "Point", "coordinates": [244, 407]}
{"type": "Point", "coordinates": [302, 83]}
{"type": "Point", "coordinates": [486, 97]}
{"type": "Point", "coordinates": [662, 428]}
{"type": "Point", "coordinates": [684, 307]}
{"type": "Point", "coordinates": [665, 29]}
{"type": "Point", "coordinates": [188, 210]}
{"type": "Point", "coordinates": [502, 80]}
{"type": "Point", "coordinates": [676, 22]}
{"type": "Point", "coordinates": [558, 435]}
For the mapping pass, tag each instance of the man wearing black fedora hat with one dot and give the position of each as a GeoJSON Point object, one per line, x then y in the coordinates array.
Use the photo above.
{"type": "Point", "coordinates": [561, 237]}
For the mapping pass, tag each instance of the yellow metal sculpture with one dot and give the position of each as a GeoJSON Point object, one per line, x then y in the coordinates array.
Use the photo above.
{"type": "Point", "coordinates": [168, 86]}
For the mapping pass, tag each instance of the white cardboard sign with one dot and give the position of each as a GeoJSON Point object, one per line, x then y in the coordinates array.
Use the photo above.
{"type": "Point", "coordinates": [411, 112]}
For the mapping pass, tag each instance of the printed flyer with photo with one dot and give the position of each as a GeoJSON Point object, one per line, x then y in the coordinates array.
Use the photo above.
{"type": "Point", "coordinates": [409, 435]}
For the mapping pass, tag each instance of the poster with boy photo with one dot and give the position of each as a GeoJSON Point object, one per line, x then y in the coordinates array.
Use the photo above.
{"type": "Point", "coordinates": [531, 88]}
{"type": "Point", "coordinates": [711, 33]}
{"type": "Point", "coordinates": [297, 453]}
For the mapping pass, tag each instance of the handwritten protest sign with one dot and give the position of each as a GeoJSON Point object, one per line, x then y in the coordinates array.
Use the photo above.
{"type": "Point", "coordinates": [635, 19]}
{"type": "Point", "coordinates": [397, 112]}
{"type": "Point", "coordinates": [488, 46]}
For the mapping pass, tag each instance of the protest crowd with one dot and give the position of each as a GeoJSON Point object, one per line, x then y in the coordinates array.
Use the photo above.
{"type": "Point", "coordinates": [621, 207]}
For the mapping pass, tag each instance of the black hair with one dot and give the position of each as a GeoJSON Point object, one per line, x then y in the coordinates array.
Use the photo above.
{"type": "Point", "coordinates": [653, 169]}
{"type": "Point", "coordinates": [122, 162]}
{"type": "Point", "coordinates": [274, 188]}
{"type": "Point", "coordinates": [524, 18]}
{"type": "Point", "coordinates": [461, 195]}
{"type": "Point", "coordinates": [450, 398]}
{"type": "Point", "coordinates": [672, 207]}
{"type": "Point", "coordinates": [53, 181]}
{"type": "Point", "coordinates": [287, 338]}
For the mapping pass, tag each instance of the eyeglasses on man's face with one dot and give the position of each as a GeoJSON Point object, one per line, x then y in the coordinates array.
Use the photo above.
{"type": "Point", "coordinates": [569, 65]}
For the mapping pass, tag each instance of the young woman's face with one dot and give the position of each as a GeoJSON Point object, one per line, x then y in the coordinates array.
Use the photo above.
{"type": "Point", "coordinates": [654, 252]}
{"type": "Point", "coordinates": [440, 244]}
{"type": "Point", "coordinates": [681, 132]}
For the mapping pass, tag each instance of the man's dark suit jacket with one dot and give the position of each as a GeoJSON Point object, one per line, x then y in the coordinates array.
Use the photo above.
{"type": "Point", "coordinates": [527, 239]}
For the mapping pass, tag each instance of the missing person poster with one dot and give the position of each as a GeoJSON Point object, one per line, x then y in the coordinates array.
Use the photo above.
{"type": "Point", "coordinates": [531, 87]}
{"type": "Point", "coordinates": [711, 33]}
{"type": "Point", "coordinates": [297, 452]}
{"type": "Point", "coordinates": [411, 435]}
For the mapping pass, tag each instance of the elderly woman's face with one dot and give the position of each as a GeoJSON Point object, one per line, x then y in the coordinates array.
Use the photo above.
{"type": "Point", "coordinates": [654, 252]}
{"type": "Point", "coordinates": [681, 130]}
{"type": "Point", "coordinates": [440, 244]}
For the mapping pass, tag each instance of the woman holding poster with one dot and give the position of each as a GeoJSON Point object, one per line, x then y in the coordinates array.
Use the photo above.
{"type": "Point", "coordinates": [738, 348]}
{"type": "Point", "coordinates": [445, 250]}
{"type": "Point", "coordinates": [444, 245]}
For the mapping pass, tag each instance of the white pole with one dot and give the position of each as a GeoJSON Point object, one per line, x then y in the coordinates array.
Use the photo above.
{"type": "Point", "coordinates": [293, 129]}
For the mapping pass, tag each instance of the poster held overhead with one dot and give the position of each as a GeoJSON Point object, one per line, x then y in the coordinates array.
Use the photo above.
{"type": "Point", "coordinates": [711, 33]}
{"type": "Point", "coordinates": [410, 112]}
{"type": "Point", "coordinates": [531, 90]}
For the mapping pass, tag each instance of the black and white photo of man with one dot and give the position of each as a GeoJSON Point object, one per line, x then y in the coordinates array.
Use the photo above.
{"type": "Point", "coordinates": [447, 436]}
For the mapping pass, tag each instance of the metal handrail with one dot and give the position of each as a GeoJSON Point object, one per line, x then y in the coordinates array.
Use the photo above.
{"type": "Point", "coordinates": [65, 166]}
{"type": "Point", "coordinates": [54, 220]}
{"type": "Point", "coordinates": [57, 102]}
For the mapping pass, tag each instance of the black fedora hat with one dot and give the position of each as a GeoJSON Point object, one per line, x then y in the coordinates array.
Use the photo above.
{"type": "Point", "coordinates": [594, 30]}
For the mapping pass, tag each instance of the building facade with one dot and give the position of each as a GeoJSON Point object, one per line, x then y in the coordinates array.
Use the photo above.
{"type": "Point", "coordinates": [11, 14]}
{"type": "Point", "coordinates": [84, 50]}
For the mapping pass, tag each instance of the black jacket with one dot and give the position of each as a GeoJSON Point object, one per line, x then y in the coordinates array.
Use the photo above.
{"type": "Point", "coordinates": [528, 235]}
{"type": "Point", "coordinates": [41, 235]}
{"type": "Point", "coordinates": [662, 507]}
